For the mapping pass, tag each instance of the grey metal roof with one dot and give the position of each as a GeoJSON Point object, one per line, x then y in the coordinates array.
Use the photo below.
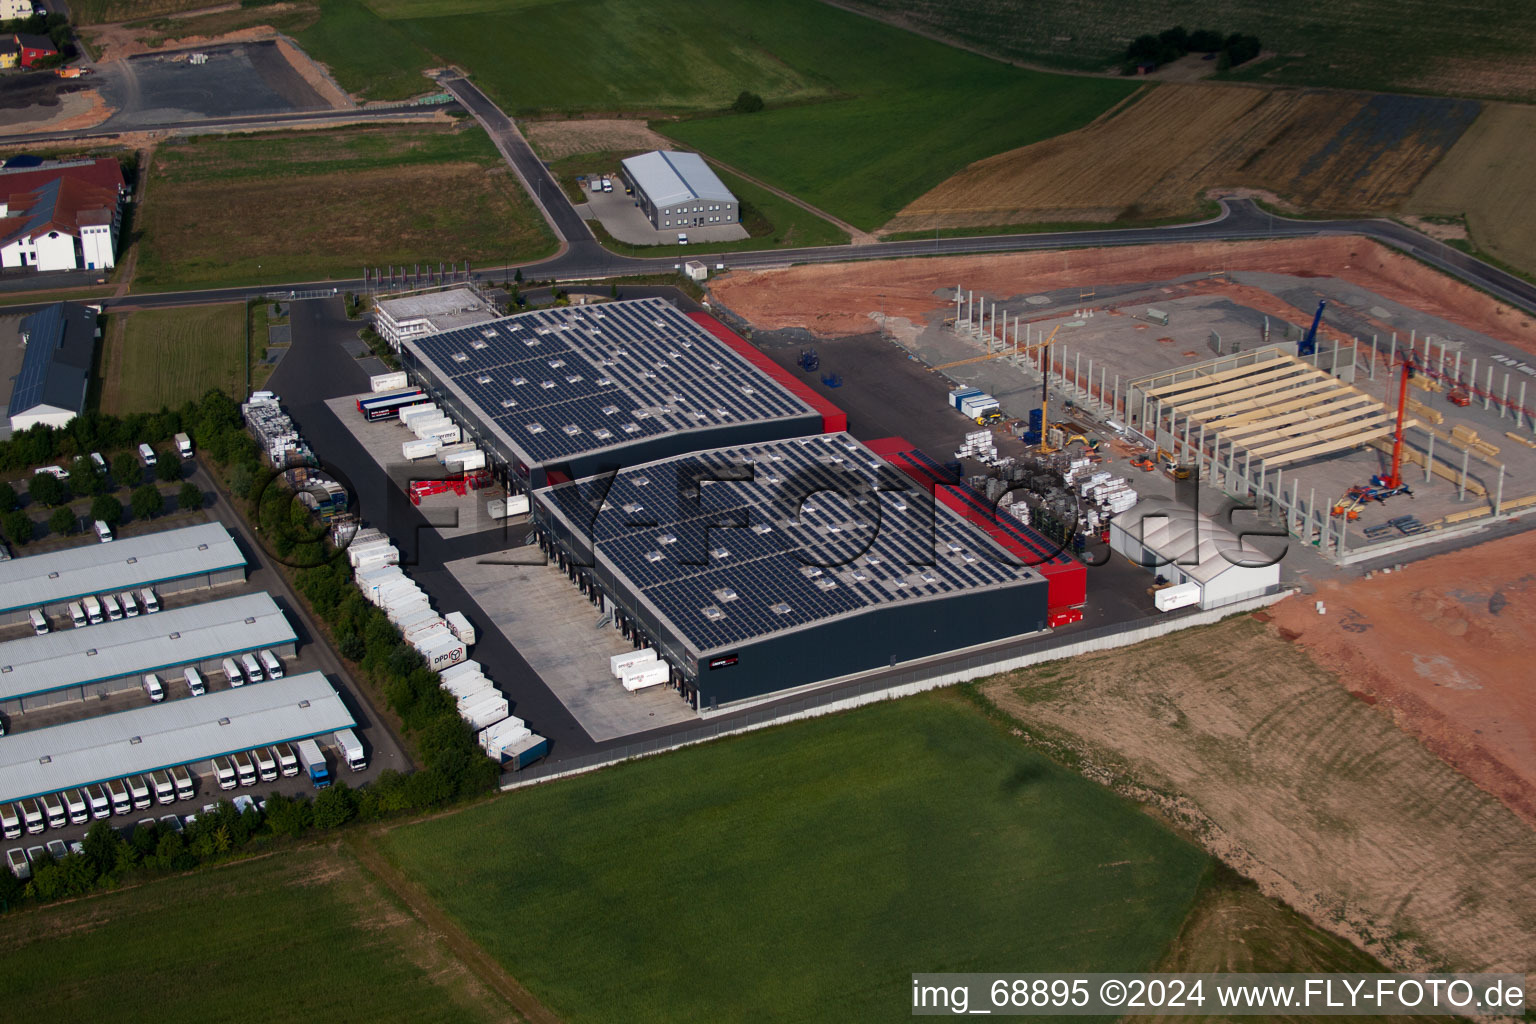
{"type": "Point", "coordinates": [446, 310]}
{"type": "Point", "coordinates": [669, 178]}
{"type": "Point", "coordinates": [54, 369]}
{"type": "Point", "coordinates": [175, 732]}
{"type": "Point", "coordinates": [823, 529]}
{"type": "Point", "coordinates": [147, 643]}
{"type": "Point", "coordinates": [557, 383]}
{"type": "Point", "coordinates": [120, 565]}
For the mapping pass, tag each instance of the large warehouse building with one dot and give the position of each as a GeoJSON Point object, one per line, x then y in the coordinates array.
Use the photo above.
{"type": "Point", "coordinates": [179, 732]}
{"type": "Point", "coordinates": [171, 561]}
{"type": "Point", "coordinates": [73, 664]}
{"type": "Point", "coordinates": [563, 393]}
{"type": "Point", "coordinates": [678, 190]}
{"type": "Point", "coordinates": [825, 561]}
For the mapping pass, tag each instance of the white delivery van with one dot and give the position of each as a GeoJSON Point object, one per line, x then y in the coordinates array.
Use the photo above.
{"type": "Point", "coordinates": [147, 454]}
{"type": "Point", "coordinates": [76, 807]}
{"type": "Point", "coordinates": [99, 462]}
{"type": "Point", "coordinates": [251, 668]}
{"type": "Point", "coordinates": [117, 790]}
{"type": "Point", "coordinates": [101, 804]}
{"type": "Point", "coordinates": [130, 606]}
{"type": "Point", "coordinates": [165, 787]}
{"type": "Point", "coordinates": [138, 789]}
{"type": "Point", "coordinates": [32, 816]}
{"type": "Point", "coordinates": [182, 779]}
{"type": "Point", "coordinates": [154, 688]}
{"type": "Point", "coordinates": [232, 672]}
{"type": "Point", "coordinates": [17, 859]}
{"type": "Point", "coordinates": [224, 772]}
{"type": "Point", "coordinates": [245, 768]}
{"type": "Point", "coordinates": [194, 680]}
{"type": "Point", "coordinates": [93, 610]}
{"type": "Point", "coordinates": [274, 667]}
{"type": "Point", "coordinates": [266, 764]}
{"type": "Point", "coordinates": [77, 614]}
{"type": "Point", "coordinates": [39, 622]}
{"type": "Point", "coordinates": [10, 821]}
{"type": "Point", "coordinates": [103, 531]}
{"type": "Point", "coordinates": [287, 760]}
{"type": "Point", "coordinates": [53, 811]}
{"type": "Point", "coordinates": [151, 602]}
{"type": "Point", "coordinates": [111, 607]}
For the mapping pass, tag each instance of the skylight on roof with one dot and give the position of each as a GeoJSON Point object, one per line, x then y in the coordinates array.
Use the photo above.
{"type": "Point", "coordinates": [780, 608]}
{"type": "Point", "coordinates": [461, 357]}
{"type": "Point", "coordinates": [712, 613]}
{"type": "Point", "coordinates": [609, 410]}
{"type": "Point", "coordinates": [535, 428]}
{"type": "Point", "coordinates": [484, 378]}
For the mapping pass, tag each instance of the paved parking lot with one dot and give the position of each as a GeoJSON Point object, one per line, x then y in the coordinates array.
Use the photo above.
{"type": "Point", "coordinates": [238, 79]}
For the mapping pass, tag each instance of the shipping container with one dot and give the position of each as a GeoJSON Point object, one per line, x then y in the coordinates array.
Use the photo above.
{"type": "Point", "coordinates": [508, 730]}
{"type": "Point", "coordinates": [442, 650]}
{"type": "Point", "coordinates": [459, 624]}
{"type": "Point", "coordinates": [419, 448]}
{"type": "Point", "coordinates": [423, 426]}
{"type": "Point", "coordinates": [619, 663]}
{"type": "Point", "coordinates": [465, 668]}
{"type": "Point", "coordinates": [360, 552]}
{"type": "Point", "coordinates": [447, 433]}
{"type": "Point", "coordinates": [1181, 596]}
{"type": "Point", "coordinates": [466, 462]}
{"type": "Point", "coordinates": [524, 752]}
{"type": "Point", "coordinates": [388, 381]}
{"type": "Point", "coordinates": [959, 395]}
{"type": "Point", "coordinates": [641, 676]}
{"type": "Point", "coordinates": [486, 712]}
{"type": "Point", "coordinates": [467, 690]}
{"type": "Point", "coordinates": [410, 415]}
{"type": "Point", "coordinates": [512, 505]}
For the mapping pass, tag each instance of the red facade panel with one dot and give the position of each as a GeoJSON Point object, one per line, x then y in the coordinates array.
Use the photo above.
{"type": "Point", "coordinates": [833, 419]}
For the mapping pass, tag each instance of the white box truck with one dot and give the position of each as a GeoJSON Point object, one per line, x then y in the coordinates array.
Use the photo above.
{"type": "Point", "coordinates": [642, 676]}
{"type": "Point", "coordinates": [266, 764]}
{"type": "Point", "coordinates": [459, 624]}
{"type": "Point", "coordinates": [287, 760]}
{"type": "Point", "coordinates": [245, 768]}
{"type": "Point", "coordinates": [101, 803]}
{"type": "Point", "coordinates": [184, 446]}
{"type": "Point", "coordinates": [183, 782]}
{"type": "Point", "coordinates": [351, 749]}
{"type": "Point", "coordinates": [165, 787]}
{"type": "Point", "coordinates": [388, 381]}
{"type": "Point", "coordinates": [122, 800]}
{"type": "Point", "coordinates": [314, 763]}
{"type": "Point", "coordinates": [619, 663]}
{"type": "Point", "coordinates": [272, 665]}
{"type": "Point", "coordinates": [224, 772]}
{"type": "Point", "coordinates": [442, 650]}
{"type": "Point", "coordinates": [76, 807]}
{"type": "Point", "coordinates": [138, 790]}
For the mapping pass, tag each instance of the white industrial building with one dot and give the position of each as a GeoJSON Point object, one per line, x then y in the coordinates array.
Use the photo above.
{"type": "Point", "coordinates": [179, 732]}
{"type": "Point", "coordinates": [416, 316]}
{"type": "Point", "coordinates": [171, 561]}
{"type": "Point", "coordinates": [678, 190]}
{"type": "Point", "coordinates": [1185, 547]}
{"type": "Point", "coordinates": [67, 224]}
{"type": "Point", "coordinates": [88, 661]}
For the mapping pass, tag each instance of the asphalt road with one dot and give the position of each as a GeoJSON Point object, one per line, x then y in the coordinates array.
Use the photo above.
{"type": "Point", "coordinates": [32, 139]}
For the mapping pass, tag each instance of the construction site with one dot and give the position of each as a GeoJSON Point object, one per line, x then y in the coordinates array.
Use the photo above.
{"type": "Point", "coordinates": [1350, 420]}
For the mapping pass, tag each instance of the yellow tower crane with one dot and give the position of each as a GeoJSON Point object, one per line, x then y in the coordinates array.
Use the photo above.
{"type": "Point", "coordinates": [1045, 391]}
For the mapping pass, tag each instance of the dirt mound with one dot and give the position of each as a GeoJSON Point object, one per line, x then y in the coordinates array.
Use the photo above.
{"type": "Point", "coordinates": [841, 299]}
{"type": "Point", "coordinates": [1444, 645]}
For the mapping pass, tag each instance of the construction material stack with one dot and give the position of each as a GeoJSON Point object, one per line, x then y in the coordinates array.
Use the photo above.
{"type": "Point", "coordinates": [978, 445]}
{"type": "Point", "coordinates": [975, 404]}
{"type": "Point", "coordinates": [275, 432]}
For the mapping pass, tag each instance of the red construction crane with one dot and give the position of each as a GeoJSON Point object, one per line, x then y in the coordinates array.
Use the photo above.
{"type": "Point", "coordinates": [1393, 482]}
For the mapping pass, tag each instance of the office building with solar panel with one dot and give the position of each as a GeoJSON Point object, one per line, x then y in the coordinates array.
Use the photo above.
{"type": "Point", "coordinates": [569, 392]}
{"type": "Point", "coordinates": [766, 567]}
{"type": "Point", "coordinates": [59, 341]}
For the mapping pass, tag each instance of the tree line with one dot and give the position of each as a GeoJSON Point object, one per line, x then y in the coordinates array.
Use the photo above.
{"type": "Point", "coordinates": [1171, 44]}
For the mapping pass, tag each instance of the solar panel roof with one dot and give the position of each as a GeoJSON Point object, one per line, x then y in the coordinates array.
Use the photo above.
{"type": "Point", "coordinates": [57, 362]}
{"type": "Point", "coordinates": [824, 528]}
{"type": "Point", "coordinates": [558, 383]}
{"type": "Point", "coordinates": [176, 732]}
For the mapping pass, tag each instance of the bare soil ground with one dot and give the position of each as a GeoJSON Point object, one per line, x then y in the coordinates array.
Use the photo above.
{"type": "Point", "coordinates": [1444, 646]}
{"type": "Point", "coordinates": [555, 140]}
{"type": "Point", "coordinates": [846, 299]}
{"type": "Point", "coordinates": [1324, 150]}
{"type": "Point", "coordinates": [1240, 737]}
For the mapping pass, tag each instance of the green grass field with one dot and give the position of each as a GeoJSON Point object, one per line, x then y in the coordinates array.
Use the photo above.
{"type": "Point", "coordinates": [316, 205]}
{"type": "Point", "coordinates": [861, 118]}
{"type": "Point", "coordinates": [165, 357]}
{"type": "Point", "coordinates": [302, 936]}
{"type": "Point", "coordinates": [1459, 47]}
{"type": "Point", "coordinates": [804, 872]}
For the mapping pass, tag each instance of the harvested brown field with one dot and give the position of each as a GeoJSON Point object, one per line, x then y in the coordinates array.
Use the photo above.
{"type": "Point", "coordinates": [835, 299]}
{"type": "Point", "coordinates": [555, 140]}
{"type": "Point", "coordinates": [1444, 646]}
{"type": "Point", "coordinates": [1318, 797]}
{"type": "Point", "coordinates": [1487, 178]}
{"type": "Point", "coordinates": [1329, 151]}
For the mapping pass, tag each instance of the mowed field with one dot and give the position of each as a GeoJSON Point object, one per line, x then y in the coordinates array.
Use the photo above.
{"type": "Point", "coordinates": [165, 357]}
{"type": "Point", "coordinates": [1458, 47]}
{"type": "Point", "coordinates": [1155, 157]}
{"type": "Point", "coordinates": [300, 936]}
{"type": "Point", "coordinates": [862, 118]}
{"type": "Point", "coordinates": [1487, 178]}
{"type": "Point", "coordinates": [1317, 796]}
{"type": "Point", "coordinates": [803, 873]}
{"type": "Point", "coordinates": [316, 205]}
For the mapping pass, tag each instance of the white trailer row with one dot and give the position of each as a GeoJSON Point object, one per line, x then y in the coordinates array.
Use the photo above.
{"type": "Point", "coordinates": [639, 669]}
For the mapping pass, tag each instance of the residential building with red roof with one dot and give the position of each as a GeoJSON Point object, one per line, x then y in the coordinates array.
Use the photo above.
{"type": "Point", "coordinates": [66, 222]}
